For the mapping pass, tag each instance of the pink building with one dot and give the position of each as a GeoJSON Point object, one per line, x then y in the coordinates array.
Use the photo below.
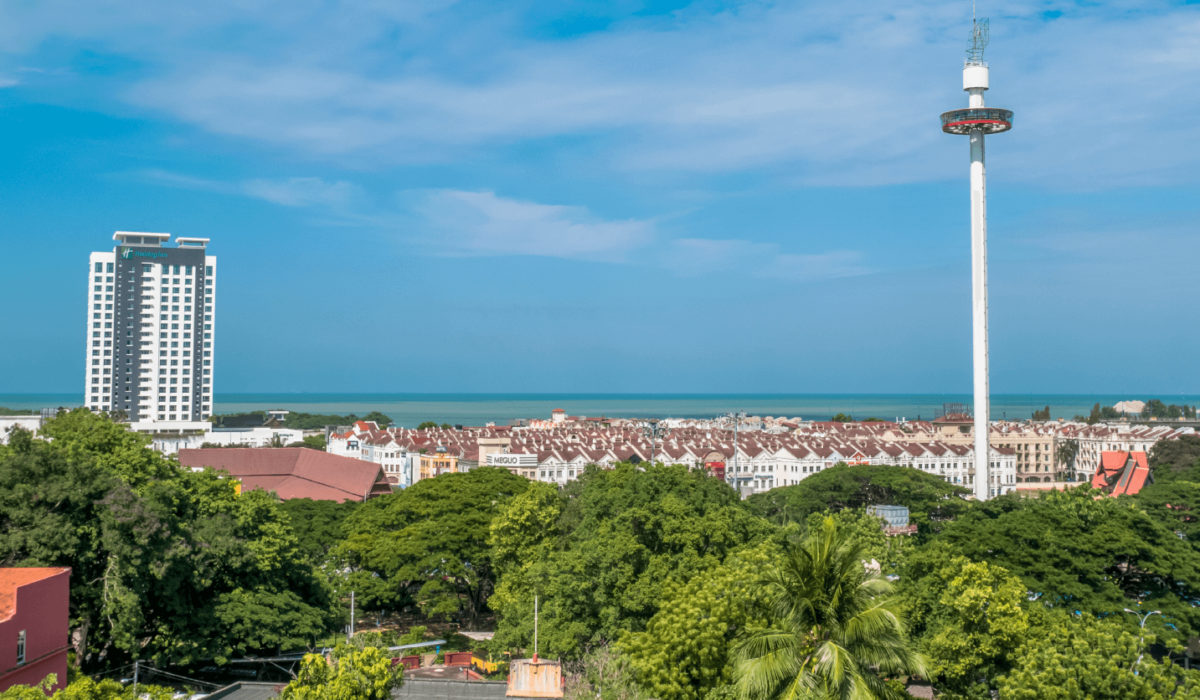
{"type": "Point", "coordinates": [34, 633]}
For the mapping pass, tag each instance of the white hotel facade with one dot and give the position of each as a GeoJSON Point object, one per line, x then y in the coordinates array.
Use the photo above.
{"type": "Point", "coordinates": [150, 331]}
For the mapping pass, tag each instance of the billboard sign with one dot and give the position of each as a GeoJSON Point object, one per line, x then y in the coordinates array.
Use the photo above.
{"type": "Point", "coordinates": [522, 460]}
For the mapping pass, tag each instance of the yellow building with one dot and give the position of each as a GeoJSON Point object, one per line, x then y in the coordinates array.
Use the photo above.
{"type": "Point", "coordinates": [437, 463]}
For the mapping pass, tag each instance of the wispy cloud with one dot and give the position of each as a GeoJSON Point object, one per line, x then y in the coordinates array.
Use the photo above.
{"type": "Point", "coordinates": [455, 222]}
{"type": "Point", "coordinates": [699, 257]}
{"type": "Point", "coordinates": [301, 191]}
{"type": "Point", "coordinates": [837, 93]}
{"type": "Point", "coordinates": [288, 192]}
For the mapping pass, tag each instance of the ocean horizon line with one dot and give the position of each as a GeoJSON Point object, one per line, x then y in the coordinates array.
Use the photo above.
{"type": "Point", "coordinates": [479, 408]}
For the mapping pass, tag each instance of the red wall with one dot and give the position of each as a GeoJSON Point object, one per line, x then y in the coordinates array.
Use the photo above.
{"type": "Point", "coordinates": [41, 610]}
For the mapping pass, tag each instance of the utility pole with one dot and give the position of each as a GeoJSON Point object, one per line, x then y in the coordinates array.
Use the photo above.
{"type": "Point", "coordinates": [135, 679]}
{"type": "Point", "coordinates": [535, 627]}
{"type": "Point", "coordinates": [350, 635]}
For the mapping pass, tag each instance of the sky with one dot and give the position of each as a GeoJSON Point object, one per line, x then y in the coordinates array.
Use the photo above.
{"type": "Point", "coordinates": [625, 196]}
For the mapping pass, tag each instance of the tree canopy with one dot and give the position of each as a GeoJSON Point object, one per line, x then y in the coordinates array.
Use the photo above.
{"type": "Point", "coordinates": [927, 497]}
{"type": "Point", "coordinates": [620, 536]}
{"type": "Point", "coordinates": [1176, 460]}
{"type": "Point", "coordinates": [1066, 657]}
{"type": "Point", "coordinates": [684, 652]}
{"type": "Point", "coordinates": [168, 564]}
{"type": "Point", "coordinates": [317, 525]}
{"type": "Point", "coordinates": [1075, 552]}
{"type": "Point", "coordinates": [431, 538]}
{"type": "Point", "coordinates": [349, 674]}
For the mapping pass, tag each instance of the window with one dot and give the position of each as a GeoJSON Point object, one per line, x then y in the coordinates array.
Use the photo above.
{"type": "Point", "coordinates": [21, 647]}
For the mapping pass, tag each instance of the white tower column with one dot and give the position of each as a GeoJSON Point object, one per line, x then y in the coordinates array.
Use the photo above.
{"type": "Point", "coordinates": [979, 310]}
{"type": "Point", "coordinates": [975, 81]}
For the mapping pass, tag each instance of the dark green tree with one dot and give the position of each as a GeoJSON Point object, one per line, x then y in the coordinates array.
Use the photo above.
{"type": "Point", "coordinates": [1075, 551]}
{"type": "Point", "coordinates": [1176, 460]}
{"type": "Point", "coordinates": [929, 498]}
{"type": "Point", "coordinates": [168, 565]}
{"type": "Point", "coordinates": [621, 536]}
{"type": "Point", "coordinates": [317, 525]}
{"type": "Point", "coordinates": [433, 536]}
{"type": "Point", "coordinates": [1176, 505]}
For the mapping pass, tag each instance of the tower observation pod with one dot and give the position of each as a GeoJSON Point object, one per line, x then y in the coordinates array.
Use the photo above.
{"type": "Point", "coordinates": [976, 121]}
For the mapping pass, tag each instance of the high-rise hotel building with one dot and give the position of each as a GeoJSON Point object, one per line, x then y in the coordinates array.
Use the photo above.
{"type": "Point", "coordinates": [150, 329]}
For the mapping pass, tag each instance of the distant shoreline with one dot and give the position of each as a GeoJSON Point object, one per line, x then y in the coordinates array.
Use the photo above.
{"type": "Point", "coordinates": [408, 410]}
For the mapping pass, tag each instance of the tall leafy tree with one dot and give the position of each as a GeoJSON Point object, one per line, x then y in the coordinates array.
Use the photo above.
{"type": "Point", "coordinates": [317, 525]}
{"type": "Point", "coordinates": [349, 674]}
{"type": "Point", "coordinates": [1176, 505]}
{"type": "Point", "coordinates": [1075, 551]}
{"type": "Point", "coordinates": [972, 618]}
{"type": "Point", "coordinates": [835, 628]}
{"type": "Point", "coordinates": [1068, 657]}
{"type": "Point", "coordinates": [1176, 460]}
{"type": "Point", "coordinates": [168, 564]}
{"type": "Point", "coordinates": [927, 497]}
{"type": "Point", "coordinates": [621, 536]}
{"type": "Point", "coordinates": [433, 536]}
{"type": "Point", "coordinates": [684, 652]}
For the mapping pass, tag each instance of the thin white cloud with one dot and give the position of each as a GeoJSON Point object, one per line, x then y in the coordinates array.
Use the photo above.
{"type": "Point", "coordinates": [701, 257]}
{"type": "Point", "coordinates": [830, 93]}
{"type": "Point", "coordinates": [288, 192]}
{"type": "Point", "coordinates": [301, 191]}
{"type": "Point", "coordinates": [455, 222]}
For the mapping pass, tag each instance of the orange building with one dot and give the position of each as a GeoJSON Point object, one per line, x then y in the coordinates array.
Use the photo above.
{"type": "Point", "coordinates": [439, 462]}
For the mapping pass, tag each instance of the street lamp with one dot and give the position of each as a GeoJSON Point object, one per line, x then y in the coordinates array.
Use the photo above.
{"type": "Point", "coordinates": [653, 429]}
{"type": "Point", "coordinates": [1142, 636]}
{"type": "Point", "coordinates": [737, 418]}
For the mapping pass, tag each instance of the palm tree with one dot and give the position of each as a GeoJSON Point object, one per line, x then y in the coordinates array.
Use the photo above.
{"type": "Point", "coordinates": [834, 628]}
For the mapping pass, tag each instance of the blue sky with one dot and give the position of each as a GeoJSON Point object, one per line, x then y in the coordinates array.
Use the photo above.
{"type": "Point", "coordinates": [619, 196]}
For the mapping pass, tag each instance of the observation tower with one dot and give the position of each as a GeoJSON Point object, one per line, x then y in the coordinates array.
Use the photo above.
{"type": "Point", "coordinates": [976, 121]}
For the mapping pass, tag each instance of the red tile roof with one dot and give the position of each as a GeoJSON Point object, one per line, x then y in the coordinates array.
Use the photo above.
{"type": "Point", "coordinates": [12, 579]}
{"type": "Point", "coordinates": [295, 472]}
{"type": "Point", "coordinates": [1122, 473]}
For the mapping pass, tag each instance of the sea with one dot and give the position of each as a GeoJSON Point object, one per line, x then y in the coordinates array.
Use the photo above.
{"type": "Point", "coordinates": [409, 410]}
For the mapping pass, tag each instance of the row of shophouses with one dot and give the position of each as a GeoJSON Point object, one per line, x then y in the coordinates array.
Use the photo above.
{"type": "Point", "coordinates": [758, 461]}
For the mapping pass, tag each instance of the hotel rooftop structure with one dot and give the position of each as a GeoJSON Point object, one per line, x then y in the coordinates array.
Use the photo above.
{"type": "Point", "coordinates": [149, 352]}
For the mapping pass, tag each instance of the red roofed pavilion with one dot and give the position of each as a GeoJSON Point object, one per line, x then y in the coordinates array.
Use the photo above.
{"type": "Point", "coordinates": [1122, 473]}
{"type": "Point", "coordinates": [295, 472]}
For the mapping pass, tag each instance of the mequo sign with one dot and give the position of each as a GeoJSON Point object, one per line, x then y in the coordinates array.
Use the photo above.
{"type": "Point", "coordinates": [495, 460]}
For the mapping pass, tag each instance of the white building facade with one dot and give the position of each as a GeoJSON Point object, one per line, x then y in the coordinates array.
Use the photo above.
{"type": "Point", "coordinates": [151, 331]}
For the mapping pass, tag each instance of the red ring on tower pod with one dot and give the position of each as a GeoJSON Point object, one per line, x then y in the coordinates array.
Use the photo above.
{"type": "Point", "coordinates": [989, 120]}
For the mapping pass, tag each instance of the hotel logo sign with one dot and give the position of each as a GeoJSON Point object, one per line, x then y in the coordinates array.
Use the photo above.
{"type": "Point", "coordinates": [128, 253]}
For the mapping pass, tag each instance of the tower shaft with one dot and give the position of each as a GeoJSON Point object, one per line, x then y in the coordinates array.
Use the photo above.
{"type": "Point", "coordinates": [979, 313]}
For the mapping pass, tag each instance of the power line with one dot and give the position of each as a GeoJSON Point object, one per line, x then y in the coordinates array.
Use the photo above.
{"type": "Point", "coordinates": [151, 669]}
